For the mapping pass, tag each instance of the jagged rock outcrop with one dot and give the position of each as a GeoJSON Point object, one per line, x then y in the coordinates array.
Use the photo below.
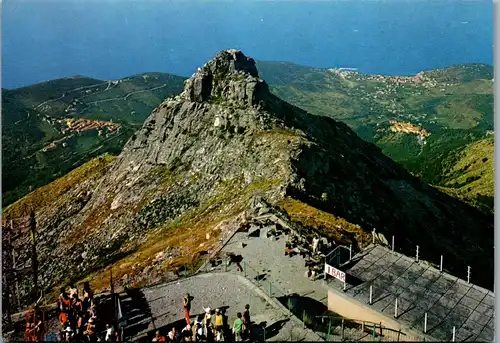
{"type": "Point", "coordinates": [203, 155]}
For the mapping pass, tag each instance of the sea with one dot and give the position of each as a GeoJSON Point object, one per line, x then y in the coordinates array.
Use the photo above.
{"type": "Point", "coordinates": [111, 39]}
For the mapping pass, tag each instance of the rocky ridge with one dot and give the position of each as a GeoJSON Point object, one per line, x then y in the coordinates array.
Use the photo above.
{"type": "Point", "coordinates": [201, 157]}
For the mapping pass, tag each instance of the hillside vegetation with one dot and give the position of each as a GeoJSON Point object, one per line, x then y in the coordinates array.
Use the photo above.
{"type": "Point", "coordinates": [421, 121]}
{"type": "Point", "coordinates": [199, 164]}
{"type": "Point", "coordinates": [470, 173]}
{"type": "Point", "coordinates": [102, 116]}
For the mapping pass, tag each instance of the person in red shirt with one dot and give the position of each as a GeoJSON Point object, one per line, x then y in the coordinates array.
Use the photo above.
{"type": "Point", "coordinates": [187, 308]}
{"type": "Point", "coordinates": [63, 318]}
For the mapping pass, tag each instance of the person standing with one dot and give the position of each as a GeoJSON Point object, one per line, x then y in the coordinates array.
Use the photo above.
{"type": "Point", "coordinates": [173, 336]}
{"type": "Point", "coordinates": [315, 244]}
{"type": "Point", "coordinates": [187, 308]}
{"type": "Point", "coordinates": [246, 320]}
{"type": "Point", "coordinates": [109, 333]}
{"type": "Point", "coordinates": [219, 321]}
{"type": "Point", "coordinates": [238, 327]}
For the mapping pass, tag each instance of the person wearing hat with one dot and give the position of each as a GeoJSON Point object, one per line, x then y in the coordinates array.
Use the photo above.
{"type": "Point", "coordinates": [208, 315]}
{"type": "Point", "coordinates": [68, 334]}
{"type": "Point", "coordinates": [219, 321]}
{"type": "Point", "coordinates": [187, 333]}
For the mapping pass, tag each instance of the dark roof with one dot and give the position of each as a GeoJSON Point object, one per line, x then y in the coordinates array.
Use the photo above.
{"type": "Point", "coordinates": [420, 288]}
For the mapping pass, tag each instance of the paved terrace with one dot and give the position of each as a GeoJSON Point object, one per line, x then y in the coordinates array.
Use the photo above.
{"type": "Point", "coordinates": [161, 307]}
{"type": "Point", "coordinates": [420, 288]}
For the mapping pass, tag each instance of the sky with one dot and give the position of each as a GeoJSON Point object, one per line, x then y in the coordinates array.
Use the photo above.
{"type": "Point", "coordinates": [43, 40]}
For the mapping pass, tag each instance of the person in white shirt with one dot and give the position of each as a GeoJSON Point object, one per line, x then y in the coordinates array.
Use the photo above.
{"type": "Point", "coordinates": [315, 244]}
{"type": "Point", "coordinates": [109, 333]}
{"type": "Point", "coordinates": [172, 334]}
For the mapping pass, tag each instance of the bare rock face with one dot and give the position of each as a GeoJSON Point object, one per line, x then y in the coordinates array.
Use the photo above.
{"type": "Point", "coordinates": [202, 156]}
{"type": "Point", "coordinates": [230, 76]}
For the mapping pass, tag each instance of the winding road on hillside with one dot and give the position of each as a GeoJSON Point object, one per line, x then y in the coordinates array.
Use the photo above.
{"type": "Point", "coordinates": [110, 85]}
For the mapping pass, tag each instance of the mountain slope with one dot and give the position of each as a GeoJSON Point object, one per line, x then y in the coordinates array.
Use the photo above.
{"type": "Point", "coordinates": [446, 108]}
{"type": "Point", "coordinates": [201, 157]}
{"type": "Point", "coordinates": [470, 173]}
{"type": "Point", "coordinates": [35, 117]}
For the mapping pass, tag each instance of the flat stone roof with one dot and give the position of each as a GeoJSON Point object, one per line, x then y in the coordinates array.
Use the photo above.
{"type": "Point", "coordinates": [419, 288]}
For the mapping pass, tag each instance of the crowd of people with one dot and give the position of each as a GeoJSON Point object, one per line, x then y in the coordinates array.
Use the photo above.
{"type": "Point", "coordinates": [212, 326]}
{"type": "Point", "coordinates": [78, 317]}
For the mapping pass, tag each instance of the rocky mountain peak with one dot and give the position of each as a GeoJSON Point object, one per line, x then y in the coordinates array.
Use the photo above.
{"type": "Point", "coordinates": [199, 160]}
{"type": "Point", "coordinates": [228, 77]}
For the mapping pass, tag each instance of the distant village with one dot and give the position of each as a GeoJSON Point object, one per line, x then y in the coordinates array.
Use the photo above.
{"type": "Point", "coordinates": [407, 128]}
{"type": "Point", "coordinates": [419, 79]}
{"type": "Point", "coordinates": [78, 127]}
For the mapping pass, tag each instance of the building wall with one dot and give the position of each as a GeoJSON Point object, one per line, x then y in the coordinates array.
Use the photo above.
{"type": "Point", "coordinates": [350, 308]}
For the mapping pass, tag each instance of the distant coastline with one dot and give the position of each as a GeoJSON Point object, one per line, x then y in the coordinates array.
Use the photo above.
{"type": "Point", "coordinates": [176, 37]}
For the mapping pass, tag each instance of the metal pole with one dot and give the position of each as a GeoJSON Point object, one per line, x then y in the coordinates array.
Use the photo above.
{"type": "Point", "coordinates": [468, 274]}
{"type": "Point", "coordinates": [342, 329]}
{"type": "Point", "coordinates": [417, 253]}
{"type": "Point", "coordinates": [371, 294]}
{"type": "Point", "coordinates": [453, 337]}
{"type": "Point", "coordinates": [373, 236]}
{"type": "Point", "coordinates": [344, 286]}
{"type": "Point", "coordinates": [393, 243]}
{"type": "Point", "coordinates": [441, 264]}
{"type": "Point", "coordinates": [396, 309]}
{"type": "Point", "coordinates": [329, 328]}
{"type": "Point", "coordinates": [350, 252]}
{"type": "Point", "coordinates": [425, 322]}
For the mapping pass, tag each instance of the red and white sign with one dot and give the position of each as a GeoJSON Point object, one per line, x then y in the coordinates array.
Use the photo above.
{"type": "Point", "coordinates": [338, 274]}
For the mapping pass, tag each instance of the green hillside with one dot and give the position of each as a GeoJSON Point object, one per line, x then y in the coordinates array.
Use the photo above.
{"type": "Point", "coordinates": [420, 121]}
{"type": "Point", "coordinates": [470, 173]}
{"type": "Point", "coordinates": [33, 118]}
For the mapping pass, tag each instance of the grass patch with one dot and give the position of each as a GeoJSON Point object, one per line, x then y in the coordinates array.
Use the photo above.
{"type": "Point", "coordinates": [327, 224]}
{"type": "Point", "coordinates": [48, 194]}
{"type": "Point", "coordinates": [187, 232]}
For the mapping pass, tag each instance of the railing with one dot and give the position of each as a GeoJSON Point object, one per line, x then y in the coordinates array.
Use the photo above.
{"type": "Point", "coordinates": [339, 256]}
{"type": "Point", "coordinates": [337, 328]}
{"type": "Point", "coordinates": [329, 328]}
